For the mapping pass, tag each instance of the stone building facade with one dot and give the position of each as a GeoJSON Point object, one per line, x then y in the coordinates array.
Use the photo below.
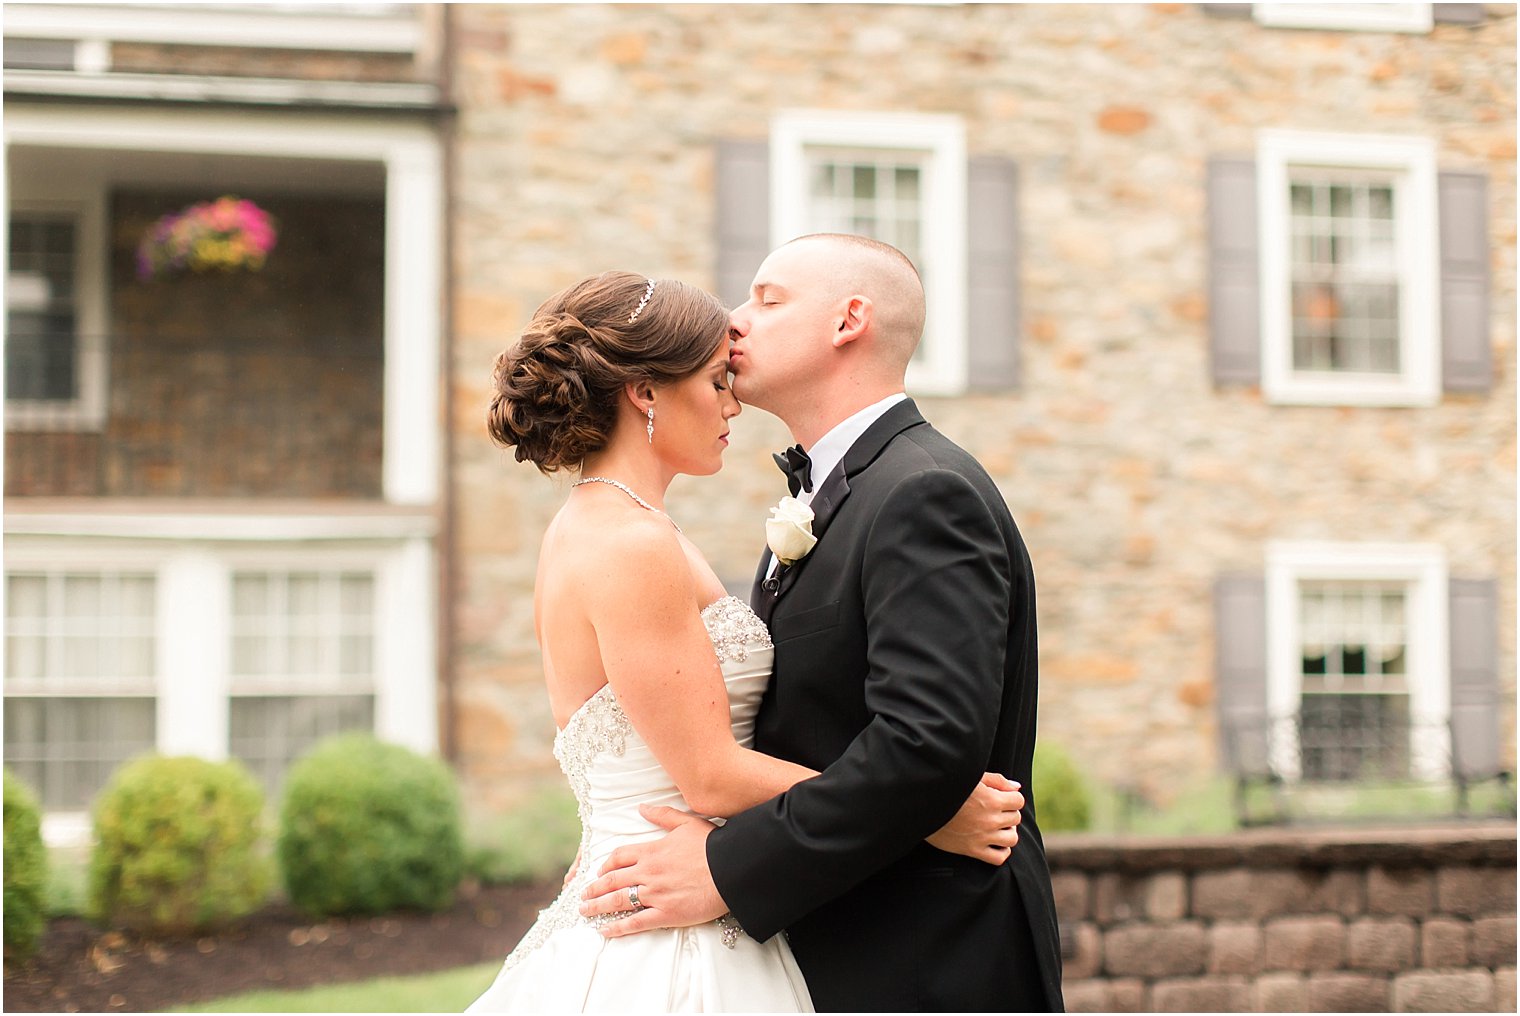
{"type": "Point", "coordinates": [590, 138]}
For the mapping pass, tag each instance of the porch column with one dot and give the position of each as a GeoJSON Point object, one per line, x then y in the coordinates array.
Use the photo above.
{"type": "Point", "coordinates": [413, 313]}
{"type": "Point", "coordinates": [406, 699]}
{"type": "Point", "coordinates": [195, 603]}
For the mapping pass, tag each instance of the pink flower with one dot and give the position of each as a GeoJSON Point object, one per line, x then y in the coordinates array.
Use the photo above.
{"type": "Point", "coordinates": [225, 234]}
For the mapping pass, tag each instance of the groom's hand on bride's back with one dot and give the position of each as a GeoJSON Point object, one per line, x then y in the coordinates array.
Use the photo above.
{"type": "Point", "coordinates": [987, 826]}
{"type": "Point", "coordinates": [675, 888]}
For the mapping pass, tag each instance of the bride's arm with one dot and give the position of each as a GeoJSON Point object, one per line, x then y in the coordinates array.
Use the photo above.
{"type": "Point", "coordinates": [659, 660]}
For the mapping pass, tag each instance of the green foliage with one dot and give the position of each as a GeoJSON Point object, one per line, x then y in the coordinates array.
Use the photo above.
{"type": "Point", "coordinates": [1204, 806]}
{"type": "Point", "coordinates": [1063, 802]}
{"type": "Point", "coordinates": [25, 869]}
{"type": "Point", "coordinates": [445, 991]}
{"type": "Point", "coordinates": [1213, 804]}
{"type": "Point", "coordinates": [176, 845]}
{"type": "Point", "coordinates": [368, 827]}
{"type": "Point", "coordinates": [535, 841]}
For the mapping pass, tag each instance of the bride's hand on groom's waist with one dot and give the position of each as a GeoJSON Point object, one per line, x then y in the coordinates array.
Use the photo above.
{"type": "Point", "coordinates": [987, 826]}
{"type": "Point", "coordinates": [665, 881]}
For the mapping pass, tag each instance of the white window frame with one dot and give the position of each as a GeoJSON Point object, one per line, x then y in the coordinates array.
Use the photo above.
{"type": "Point", "coordinates": [281, 26]}
{"type": "Point", "coordinates": [940, 140]}
{"type": "Point", "coordinates": [1422, 568]}
{"type": "Point", "coordinates": [193, 684]}
{"type": "Point", "coordinates": [1352, 17]}
{"type": "Point", "coordinates": [1411, 161]}
{"type": "Point", "coordinates": [84, 201]}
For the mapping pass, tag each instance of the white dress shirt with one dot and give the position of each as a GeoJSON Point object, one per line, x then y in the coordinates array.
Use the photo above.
{"type": "Point", "coordinates": [831, 448]}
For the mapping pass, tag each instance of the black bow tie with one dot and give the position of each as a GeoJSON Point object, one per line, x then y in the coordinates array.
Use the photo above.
{"type": "Point", "coordinates": [794, 462]}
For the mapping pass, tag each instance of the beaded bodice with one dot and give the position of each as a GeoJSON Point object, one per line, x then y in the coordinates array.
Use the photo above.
{"type": "Point", "coordinates": [600, 726]}
{"type": "Point", "coordinates": [612, 771]}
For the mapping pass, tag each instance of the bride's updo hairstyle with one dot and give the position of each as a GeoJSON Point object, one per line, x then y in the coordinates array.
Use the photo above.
{"type": "Point", "coordinates": [556, 389]}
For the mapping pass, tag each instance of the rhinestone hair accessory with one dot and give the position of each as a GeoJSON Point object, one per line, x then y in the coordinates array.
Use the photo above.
{"type": "Point", "coordinates": [648, 292]}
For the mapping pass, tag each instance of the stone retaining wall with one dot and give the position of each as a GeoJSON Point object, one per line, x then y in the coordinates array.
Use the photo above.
{"type": "Point", "coordinates": [1402, 920]}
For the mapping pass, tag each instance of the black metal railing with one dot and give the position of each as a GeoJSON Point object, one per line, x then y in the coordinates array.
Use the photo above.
{"type": "Point", "coordinates": [1355, 758]}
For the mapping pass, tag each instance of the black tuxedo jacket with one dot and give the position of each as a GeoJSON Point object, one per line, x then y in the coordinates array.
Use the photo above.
{"type": "Point", "coordinates": [905, 668]}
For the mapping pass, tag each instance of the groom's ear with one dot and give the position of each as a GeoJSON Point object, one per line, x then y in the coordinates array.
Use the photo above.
{"type": "Point", "coordinates": [854, 321]}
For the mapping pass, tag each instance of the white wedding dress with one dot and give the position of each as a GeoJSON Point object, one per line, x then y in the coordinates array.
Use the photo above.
{"type": "Point", "coordinates": [563, 964]}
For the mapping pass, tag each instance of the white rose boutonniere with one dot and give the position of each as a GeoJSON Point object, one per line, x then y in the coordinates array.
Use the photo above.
{"type": "Point", "coordinates": [789, 531]}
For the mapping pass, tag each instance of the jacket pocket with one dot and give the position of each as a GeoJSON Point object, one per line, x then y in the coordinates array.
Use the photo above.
{"type": "Point", "coordinates": [792, 626]}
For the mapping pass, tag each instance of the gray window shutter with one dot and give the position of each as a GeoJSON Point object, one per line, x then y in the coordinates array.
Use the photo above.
{"type": "Point", "coordinates": [1474, 677]}
{"type": "Point", "coordinates": [1240, 665]}
{"type": "Point", "coordinates": [1234, 283]}
{"type": "Point", "coordinates": [743, 220]}
{"type": "Point", "coordinates": [1457, 14]}
{"type": "Point", "coordinates": [1227, 10]}
{"type": "Point", "coordinates": [992, 237]}
{"type": "Point", "coordinates": [1466, 356]}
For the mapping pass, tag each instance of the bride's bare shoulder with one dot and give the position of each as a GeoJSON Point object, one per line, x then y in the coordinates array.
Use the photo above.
{"type": "Point", "coordinates": [596, 543]}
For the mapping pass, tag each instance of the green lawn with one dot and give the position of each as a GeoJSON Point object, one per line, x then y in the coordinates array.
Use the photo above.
{"type": "Point", "coordinates": [1207, 807]}
{"type": "Point", "coordinates": [448, 991]}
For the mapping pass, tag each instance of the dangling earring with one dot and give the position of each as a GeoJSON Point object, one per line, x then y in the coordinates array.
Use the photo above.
{"type": "Point", "coordinates": [650, 428]}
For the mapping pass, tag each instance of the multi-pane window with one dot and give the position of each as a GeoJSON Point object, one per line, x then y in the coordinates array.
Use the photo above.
{"type": "Point", "coordinates": [1345, 272]}
{"type": "Point", "coordinates": [1349, 269]}
{"type": "Point", "coordinates": [1358, 664]}
{"type": "Point", "coordinates": [80, 678]}
{"type": "Point", "coordinates": [302, 663]}
{"type": "Point", "coordinates": [877, 194]}
{"type": "Point", "coordinates": [1354, 717]}
{"type": "Point", "coordinates": [41, 347]}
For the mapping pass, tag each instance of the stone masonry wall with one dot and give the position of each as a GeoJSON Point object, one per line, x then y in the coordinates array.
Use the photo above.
{"type": "Point", "coordinates": [585, 140]}
{"type": "Point", "coordinates": [1404, 921]}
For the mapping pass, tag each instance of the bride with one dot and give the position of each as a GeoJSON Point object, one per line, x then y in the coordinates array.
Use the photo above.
{"type": "Point", "coordinates": [654, 674]}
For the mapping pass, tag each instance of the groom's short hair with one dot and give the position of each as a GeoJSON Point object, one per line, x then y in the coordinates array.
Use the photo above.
{"type": "Point", "coordinates": [877, 246]}
{"type": "Point", "coordinates": [899, 301]}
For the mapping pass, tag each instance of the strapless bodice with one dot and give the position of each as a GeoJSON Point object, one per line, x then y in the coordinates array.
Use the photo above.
{"type": "Point", "coordinates": [610, 767]}
{"type": "Point", "coordinates": [612, 770]}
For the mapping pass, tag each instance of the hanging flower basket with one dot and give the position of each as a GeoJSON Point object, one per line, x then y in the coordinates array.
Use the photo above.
{"type": "Point", "coordinates": [222, 235]}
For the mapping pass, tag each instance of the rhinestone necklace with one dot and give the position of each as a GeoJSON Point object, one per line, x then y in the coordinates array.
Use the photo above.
{"type": "Point", "coordinates": [626, 490]}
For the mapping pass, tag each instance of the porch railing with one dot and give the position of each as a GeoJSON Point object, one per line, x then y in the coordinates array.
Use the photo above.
{"type": "Point", "coordinates": [1314, 767]}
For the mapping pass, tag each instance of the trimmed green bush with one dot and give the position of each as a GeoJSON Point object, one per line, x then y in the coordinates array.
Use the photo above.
{"type": "Point", "coordinates": [177, 845]}
{"type": "Point", "coordinates": [25, 870]}
{"type": "Point", "coordinates": [1063, 801]}
{"type": "Point", "coordinates": [368, 827]}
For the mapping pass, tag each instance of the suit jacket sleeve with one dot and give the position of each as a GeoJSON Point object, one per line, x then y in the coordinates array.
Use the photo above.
{"type": "Point", "coordinates": [935, 589]}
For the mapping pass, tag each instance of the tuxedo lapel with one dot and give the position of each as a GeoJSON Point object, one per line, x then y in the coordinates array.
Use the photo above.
{"type": "Point", "coordinates": [836, 488]}
{"type": "Point", "coordinates": [831, 494]}
{"type": "Point", "coordinates": [893, 422]}
{"type": "Point", "coordinates": [761, 601]}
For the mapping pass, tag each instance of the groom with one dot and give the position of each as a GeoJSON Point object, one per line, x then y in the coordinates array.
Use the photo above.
{"type": "Point", "coordinates": [904, 667]}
